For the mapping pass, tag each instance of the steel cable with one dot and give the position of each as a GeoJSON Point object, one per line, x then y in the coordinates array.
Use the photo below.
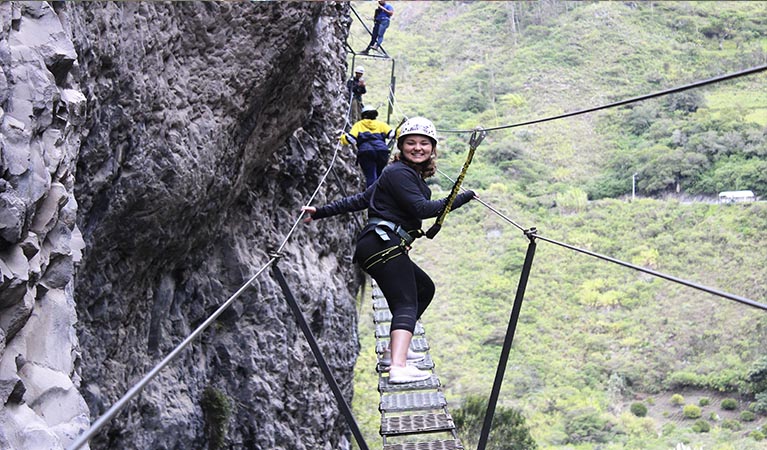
{"type": "Point", "coordinates": [696, 84]}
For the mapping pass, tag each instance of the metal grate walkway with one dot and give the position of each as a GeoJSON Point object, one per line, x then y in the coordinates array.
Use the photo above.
{"type": "Point", "coordinates": [414, 416]}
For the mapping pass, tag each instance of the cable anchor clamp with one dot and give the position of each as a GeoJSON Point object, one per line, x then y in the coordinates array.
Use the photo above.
{"type": "Point", "coordinates": [531, 233]}
{"type": "Point", "coordinates": [477, 136]}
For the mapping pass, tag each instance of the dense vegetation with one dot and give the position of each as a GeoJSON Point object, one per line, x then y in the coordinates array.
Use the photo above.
{"type": "Point", "coordinates": [603, 356]}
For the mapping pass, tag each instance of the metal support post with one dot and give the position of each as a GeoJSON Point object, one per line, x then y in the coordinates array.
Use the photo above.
{"type": "Point", "coordinates": [392, 86]}
{"type": "Point", "coordinates": [506, 350]}
{"type": "Point", "coordinates": [347, 412]}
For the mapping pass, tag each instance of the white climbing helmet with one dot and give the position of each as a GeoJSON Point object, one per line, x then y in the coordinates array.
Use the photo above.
{"type": "Point", "coordinates": [359, 69]}
{"type": "Point", "coordinates": [418, 125]}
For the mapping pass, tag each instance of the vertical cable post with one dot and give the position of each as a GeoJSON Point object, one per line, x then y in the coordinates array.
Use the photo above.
{"type": "Point", "coordinates": [343, 406]}
{"type": "Point", "coordinates": [506, 350]}
{"type": "Point", "coordinates": [392, 87]}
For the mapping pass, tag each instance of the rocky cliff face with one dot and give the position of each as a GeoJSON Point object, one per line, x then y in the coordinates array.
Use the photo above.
{"type": "Point", "coordinates": [152, 155]}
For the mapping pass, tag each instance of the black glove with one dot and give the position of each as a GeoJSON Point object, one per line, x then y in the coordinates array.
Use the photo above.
{"type": "Point", "coordinates": [461, 199]}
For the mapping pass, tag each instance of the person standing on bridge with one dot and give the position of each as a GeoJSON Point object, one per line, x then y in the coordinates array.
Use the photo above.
{"type": "Point", "coordinates": [369, 137]}
{"type": "Point", "coordinates": [381, 21]}
{"type": "Point", "coordinates": [356, 88]}
{"type": "Point", "coordinates": [397, 203]}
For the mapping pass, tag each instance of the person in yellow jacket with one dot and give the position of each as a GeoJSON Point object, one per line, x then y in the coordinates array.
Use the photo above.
{"type": "Point", "coordinates": [369, 137]}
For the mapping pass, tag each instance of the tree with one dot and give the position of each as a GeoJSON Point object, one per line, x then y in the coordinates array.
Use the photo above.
{"type": "Point", "coordinates": [666, 169]}
{"type": "Point", "coordinates": [757, 376]}
{"type": "Point", "coordinates": [733, 173]}
{"type": "Point", "coordinates": [642, 116]}
{"type": "Point", "coordinates": [685, 101]}
{"type": "Point", "coordinates": [509, 431]}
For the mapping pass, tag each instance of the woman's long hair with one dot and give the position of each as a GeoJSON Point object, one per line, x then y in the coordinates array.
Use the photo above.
{"type": "Point", "coordinates": [426, 168]}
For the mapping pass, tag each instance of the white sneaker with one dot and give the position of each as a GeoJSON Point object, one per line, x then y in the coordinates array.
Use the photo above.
{"type": "Point", "coordinates": [407, 374]}
{"type": "Point", "coordinates": [412, 357]}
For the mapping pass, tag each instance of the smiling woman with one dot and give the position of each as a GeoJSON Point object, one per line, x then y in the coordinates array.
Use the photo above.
{"type": "Point", "coordinates": [397, 203]}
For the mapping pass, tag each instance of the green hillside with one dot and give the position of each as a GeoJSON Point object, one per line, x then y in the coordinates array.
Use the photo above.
{"type": "Point", "coordinates": [594, 338]}
{"type": "Point", "coordinates": [460, 64]}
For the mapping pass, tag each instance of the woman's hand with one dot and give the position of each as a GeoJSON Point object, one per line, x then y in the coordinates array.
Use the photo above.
{"type": "Point", "coordinates": [309, 210]}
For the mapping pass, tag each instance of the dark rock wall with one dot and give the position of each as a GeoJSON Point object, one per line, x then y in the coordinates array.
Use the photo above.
{"type": "Point", "coordinates": [207, 126]}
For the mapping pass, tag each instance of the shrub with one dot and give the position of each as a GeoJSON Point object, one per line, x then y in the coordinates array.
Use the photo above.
{"type": "Point", "coordinates": [572, 201]}
{"type": "Point", "coordinates": [587, 425]}
{"type": "Point", "coordinates": [729, 404]}
{"type": "Point", "coordinates": [731, 424]}
{"type": "Point", "coordinates": [691, 412]}
{"type": "Point", "coordinates": [747, 416]}
{"type": "Point", "coordinates": [760, 405]}
{"type": "Point", "coordinates": [509, 428]}
{"type": "Point", "coordinates": [677, 400]}
{"type": "Point", "coordinates": [638, 409]}
{"type": "Point", "coordinates": [756, 435]}
{"type": "Point", "coordinates": [683, 379]}
{"type": "Point", "coordinates": [216, 410]}
{"type": "Point", "coordinates": [701, 426]}
{"type": "Point", "coordinates": [704, 401]}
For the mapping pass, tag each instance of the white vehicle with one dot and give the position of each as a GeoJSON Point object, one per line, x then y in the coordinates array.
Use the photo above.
{"type": "Point", "coordinates": [736, 196]}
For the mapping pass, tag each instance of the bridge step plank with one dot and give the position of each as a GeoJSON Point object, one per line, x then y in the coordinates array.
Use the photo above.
{"type": "Point", "coordinates": [416, 423]}
{"type": "Point", "coordinates": [425, 364]}
{"type": "Point", "coordinates": [380, 303]}
{"type": "Point", "coordinates": [418, 344]}
{"type": "Point", "coordinates": [385, 386]}
{"type": "Point", "coordinates": [412, 401]}
{"type": "Point", "coordinates": [453, 444]}
{"type": "Point", "coordinates": [382, 330]}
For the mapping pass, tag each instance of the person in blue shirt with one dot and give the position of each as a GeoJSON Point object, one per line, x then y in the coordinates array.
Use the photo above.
{"type": "Point", "coordinates": [396, 205]}
{"type": "Point", "coordinates": [381, 23]}
{"type": "Point", "coordinates": [369, 137]}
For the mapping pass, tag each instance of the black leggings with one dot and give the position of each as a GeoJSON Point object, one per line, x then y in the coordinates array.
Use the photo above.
{"type": "Point", "coordinates": [407, 288]}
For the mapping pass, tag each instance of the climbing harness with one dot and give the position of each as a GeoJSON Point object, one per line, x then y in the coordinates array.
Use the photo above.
{"type": "Point", "coordinates": [477, 135]}
{"type": "Point", "coordinates": [407, 237]}
{"type": "Point", "coordinates": [383, 256]}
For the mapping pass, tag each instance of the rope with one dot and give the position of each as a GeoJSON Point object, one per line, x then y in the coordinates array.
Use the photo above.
{"type": "Point", "coordinates": [742, 73]}
{"type": "Point", "coordinates": [737, 298]}
{"type": "Point", "coordinates": [485, 204]}
{"type": "Point", "coordinates": [394, 104]}
{"type": "Point", "coordinates": [477, 136]}
{"type": "Point", "coordinates": [664, 276]}
{"type": "Point", "coordinates": [138, 387]}
{"type": "Point", "coordinates": [348, 124]}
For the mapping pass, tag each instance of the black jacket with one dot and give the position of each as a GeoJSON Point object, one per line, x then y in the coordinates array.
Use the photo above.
{"type": "Point", "coordinates": [355, 88]}
{"type": "Point", "coordinates": [399, 195]}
